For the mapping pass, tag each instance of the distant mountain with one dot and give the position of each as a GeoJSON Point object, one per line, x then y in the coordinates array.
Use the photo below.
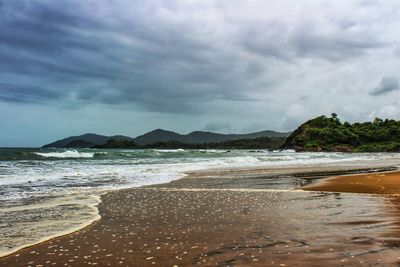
{"type": "Point", "coordinates": [256, 143]}
{"type": "Point", "coordinates": [199, 137]}
{"type": "Point", "coordinates": [79, 144]}
{"type": "Point", "coordinates": [85, 140]}
{"type": "Point", "coordinates": [157, 136]}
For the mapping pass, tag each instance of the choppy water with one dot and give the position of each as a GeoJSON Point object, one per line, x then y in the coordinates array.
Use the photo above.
{"type": "Point", "coordinates": [47, 192]}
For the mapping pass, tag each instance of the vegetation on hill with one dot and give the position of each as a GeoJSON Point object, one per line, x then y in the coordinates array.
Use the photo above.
{"type": "Point", "coordinates": [118, 143]}
{"type": "Point", "coordinates": [257, 143]}
{"type": "Point", "coordinates": [84, 140]}
{"type": "Point", "coordinates": [330, 134]}
{"type": "Point", "coordinates": [156, 136]}
{"type": "Point", "coordinates": [198, 137]}
{"type": "Point", "coordinates": [319, 134]}
{"type": "Point", "coordinates": [79, 144]}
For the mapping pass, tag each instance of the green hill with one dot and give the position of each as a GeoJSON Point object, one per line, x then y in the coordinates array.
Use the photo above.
{"type": "Point", "coordinates": [256, 143]}
{"type": "Point", "coordinates": [199, 137]}
{"type": "Point", "coordinates": [160, 136]}
{"type": "Point", "coordinates": [330, 134]}
{"type": "Point", "coordinates": [85, 140]}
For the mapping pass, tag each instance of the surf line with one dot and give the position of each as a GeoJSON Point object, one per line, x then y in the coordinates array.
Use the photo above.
{"type": "Point", "coordinates": [224, 189]}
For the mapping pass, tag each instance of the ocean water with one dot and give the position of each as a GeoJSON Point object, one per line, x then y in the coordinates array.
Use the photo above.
{"type": "Point", "coordinates": [50, 192]}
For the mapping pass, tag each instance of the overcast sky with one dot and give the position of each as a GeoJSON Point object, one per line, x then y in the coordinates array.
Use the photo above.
{"type": "Point", "coordinates": [69, 67]}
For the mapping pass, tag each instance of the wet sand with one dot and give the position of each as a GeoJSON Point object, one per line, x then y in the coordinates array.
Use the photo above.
{"type": "Point", "coordinates": [256, 221]}
{"type": "Point", "coordinates": [372, 183]}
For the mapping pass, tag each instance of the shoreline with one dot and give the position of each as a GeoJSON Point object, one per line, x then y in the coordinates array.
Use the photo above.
{"type": "Point", "coordinates": [367, 183]}
{"type": "Point", "coordinates": [45, 239]}
{"type": "Point", "coordinates": [314, 172]}
{"type": "Point", "coordinates": [66, 232]}
{"type": "Point", "coordinates": [306, 171]}
{"type": "Point", "coordinates": [171, 187]}
{"type": "Point", "coordinates": [297, 169]}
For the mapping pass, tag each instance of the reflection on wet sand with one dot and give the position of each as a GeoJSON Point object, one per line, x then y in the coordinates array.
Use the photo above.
{"type": "Point", "coordinates": [213, 226]}
{"type": "Point", "coordinates": [371, 183]}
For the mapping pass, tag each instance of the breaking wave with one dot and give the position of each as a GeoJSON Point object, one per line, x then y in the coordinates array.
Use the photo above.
{"type": "Point", "coordinates": [66, 154]}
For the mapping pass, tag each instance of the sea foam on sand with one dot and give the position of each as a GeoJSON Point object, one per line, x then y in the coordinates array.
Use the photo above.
{"type": "Point", "coordinates": [24, 226]}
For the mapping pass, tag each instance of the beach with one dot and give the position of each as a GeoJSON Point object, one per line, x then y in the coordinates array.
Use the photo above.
{"type": "Point", "coordinates": [211, 218]}
{"type": "Point", "coordinates": [199, 133]}
{"type": "Point", "coordinates": [382, 183]}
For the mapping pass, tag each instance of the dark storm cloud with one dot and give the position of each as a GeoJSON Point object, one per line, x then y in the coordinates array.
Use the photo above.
{"type": "Point", "coordinates": [26, 94]}
{"type": "Point", "coordinates": [386, 85]}
{"type": "Point", "coordinates": [155, 56]}
{"type": "Point", "coordinates": [41, 28]}
{"type": "Point", "coordinates": [288, 42]}
{"type": "Point", "coordinates": [156, 66]}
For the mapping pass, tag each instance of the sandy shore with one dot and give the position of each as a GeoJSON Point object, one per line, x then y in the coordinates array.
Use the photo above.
{"type": "Point", "coordinates": [242, 221]}
{"type": "Point", "coordinates": [373, 183]}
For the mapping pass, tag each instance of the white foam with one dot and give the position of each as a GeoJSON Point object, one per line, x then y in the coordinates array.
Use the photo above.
{"type": "Point", "coordinates": [179, 150]}
{"type": "Point", "coordinates": [133, 172]}
{"type": "Point", "coordinates": [59, 216]}
{"type": "Point", "coordinates": [66, 154]}
{"type": "Point", "coordinates": [55, 178]}
{"type": "Point", "coordinates": [212, 151]}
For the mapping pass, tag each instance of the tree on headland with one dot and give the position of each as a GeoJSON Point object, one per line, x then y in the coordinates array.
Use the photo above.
{"type": "Point", "coordinates": [334, 119]}
{"type": "Point", "coordinates": [329, 134]}
{"type": "Point", "coordinates": [377, 121]}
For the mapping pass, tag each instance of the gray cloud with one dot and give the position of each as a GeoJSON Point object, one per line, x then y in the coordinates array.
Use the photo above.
{"type": "Point", "coordinates": [339, 40]}
{"type": "Point", "coordinates": [386, 85]}
{"type": "Point", "coordinates": [27, 94]}
{"type": "Point", "coordinates": [244, 62]}
{"type": "Point", "coordinates": [150, 59]}
{"type": "Point", "coordinates": [218, 127]}
{"type": "Point", "coordinates": [155, 66]}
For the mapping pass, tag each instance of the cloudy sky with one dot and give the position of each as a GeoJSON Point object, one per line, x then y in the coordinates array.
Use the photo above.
{"type": "Point", "coordinates": [129, 66]}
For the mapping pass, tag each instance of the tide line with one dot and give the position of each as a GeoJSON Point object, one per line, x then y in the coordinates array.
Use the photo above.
{"type": "Point", "coordinates": [228, 189]}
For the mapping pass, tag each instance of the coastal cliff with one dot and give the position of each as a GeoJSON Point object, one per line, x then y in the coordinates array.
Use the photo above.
{"type": "Point", "coordinates": [330, 134]}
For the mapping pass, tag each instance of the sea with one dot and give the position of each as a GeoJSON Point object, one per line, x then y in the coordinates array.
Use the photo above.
{"type": "Point", "coordinates": [48, 192]}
